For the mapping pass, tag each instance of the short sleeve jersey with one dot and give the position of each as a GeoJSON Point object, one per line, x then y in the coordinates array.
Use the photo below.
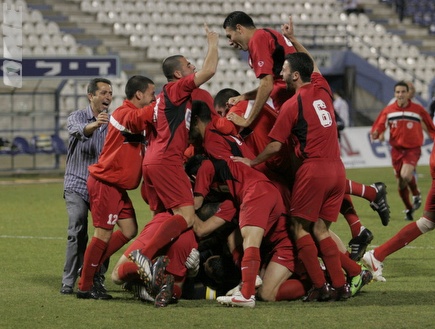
{"type": "Point", "coordinates": [308, 120]}
{"type": "Point", "coordinates": [263, 61]}
{"type": "Point", "coordinates": [237, 175]}
{"type": "Point", "coordinates": [121, 158]}
{"type": "Point", "coordinates": [172, 121]}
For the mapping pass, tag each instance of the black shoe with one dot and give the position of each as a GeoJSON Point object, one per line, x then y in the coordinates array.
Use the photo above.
{"type": "Point", "coordinates": [66, 290]}
{"type": "Point", "coordinates": [318, 294]}
{"type": "Point", "coordinates": [358, 244]}
{"type": "Point", "coordinates": [341, 293]}
{"type": "Point", "coordinates": [99, 282]}
{"type": "Point", "coordinates": [408, 214]}
{"type": "Point", "coordinates": [380, 203]}
{"type": "Point", "coordinates": [158, 274]}
{"type": "Point", "coordinates": [93, 294]}
{"type": "Point", "coordinates": [164, 297]}
{"type": "Point", "coordinates": [416, 202]}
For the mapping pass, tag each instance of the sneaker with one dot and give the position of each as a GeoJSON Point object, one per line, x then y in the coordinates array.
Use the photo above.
{"type": "Point", "coordinates": [374, 266]}
{"type": "Point", "coordinates": [380, 203]}
{"type": "Point", "coordinates": [144, 265]}
{"type": "Point", "coordinates": [138, 289]}
{"type": "Point", "coordinates": [164, 297]}
{"type": "Point", "coordinates": [359, 281]}
{"type": "Point", "coordinates": [358, 244]}
{"type": "Point", "coordinates": [341, 293]}
{"type": "Point", "coordinates": [158, 271]}
{"type": "Point", "coordinates": [237, 300]}
{"type": "Point", "coordinates": [93, 294]}
{"type": "Point", "coordinates": [66, 289]}
{"type": "Point", "coordinates": [99, 282]}
{"type": "Point", "coordinates": [408, 214]}
{"type": "Point", "coordinates": [318, 294]}
{"type": "Point", "coordinates": [416, 202]}
{"type": "Point", "coordinates": [258, 283]}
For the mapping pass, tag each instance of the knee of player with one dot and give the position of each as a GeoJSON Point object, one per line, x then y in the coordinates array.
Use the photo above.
{"type": "Point", "coordinates": [425, 225]}
{"type": "Point", "coordinates": [115, 277]}
{"type": "Point", "coordinates": [266, 295]}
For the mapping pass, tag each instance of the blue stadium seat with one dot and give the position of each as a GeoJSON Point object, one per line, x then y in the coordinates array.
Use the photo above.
{"type": "Point", "coordinates": [21, 146]}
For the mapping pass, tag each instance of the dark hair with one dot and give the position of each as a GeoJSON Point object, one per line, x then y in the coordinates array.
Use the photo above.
{"type": "Point", "coordinates": [93, 85]}
{"type": "Point", "coordinates": [223, 96]}
{"type": "Point", "coordinates": [201, 111]}
{"type": "Point", "coordinates": [238, 17]}
{"type": "Point", "coordinates": [403, 84]}
{"type": "Point", "coordinates": [170, 65]}
{"type": "Point", "coordinates": [136, 83]}
{"type": "Point", "coordinates": [302, 63]}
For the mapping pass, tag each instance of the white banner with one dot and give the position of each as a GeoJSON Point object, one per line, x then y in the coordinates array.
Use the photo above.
{"type": "Point", "coordinates": [358, 152]}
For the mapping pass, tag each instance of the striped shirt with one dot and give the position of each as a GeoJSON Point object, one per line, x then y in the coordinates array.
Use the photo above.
{"type": "Point", "coordinates": [82, 151]}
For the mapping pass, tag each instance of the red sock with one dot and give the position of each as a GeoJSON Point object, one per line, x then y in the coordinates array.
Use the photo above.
{"type": "Point", "coordinates": [250, 267]}
{"type": "Point", "coordinates": [237, 256]}
{"type": "Point", "coordinates": [128, 272]}
{"type": "Point", "coordinates": [407, 234]}
{"type": "Point", "coordinates": [177, 291]}
{"type": "Point", "coordinates": [168, 230]}
{"type": "Point", "coordinates": [364, 191]}
{"type": "Point", "coordinates": [404, 195]}
{"type": "Point", "coordinates": [290, 290]}
{"type": "Point", "coordinates": [413, 186]}
{"type": "Point", "coordinates": [331, 257]}
{"type": "Point", "coordinates": [117, 240]}
{"type": "Point", "coordinates": [94, 252]}
{"type": "Point", "coordinates": [307, 253]}
{"type": "Point", "coordinates": [351, 267]}
{"type": "Point", "coordinates": [349, 213]}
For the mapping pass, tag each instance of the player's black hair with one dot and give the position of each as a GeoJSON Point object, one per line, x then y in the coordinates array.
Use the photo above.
{"type": "Point", "coordinates": [302, 63]}
{"type": "Point", "coordinates": [93, 84]}
{"type": "Point", "coordinates": [402, 83]}
{"type": "Point", "coordinates": [238, 17]}
{"type": "Point", "coordinates": [137, 83]}
{"type": "Point", "coordinates": [200, 110]}
{"type": "Point", "coordinates": [223, 95]}
{"type": "Point", "coordinates": [170, 65]}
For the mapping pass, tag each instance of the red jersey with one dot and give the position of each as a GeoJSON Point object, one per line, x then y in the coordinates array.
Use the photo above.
{"type": "Point", "coordinates": [172, 121]}
{"type": "Point", "coordinates": [120, 160]}
{"type": "Point", "coordinates": [308, 119]}
{"type": "Point", "coordinates": [266, 59]}
{"type": "Point", "coordinates": [405, 123]}
{"type": "Point", "coordinates": [238, 176]}
{"type": "Point", "coordinates": [255, 135]}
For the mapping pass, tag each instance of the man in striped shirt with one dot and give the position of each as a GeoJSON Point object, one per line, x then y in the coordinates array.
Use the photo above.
{"type": "Point", "coordinates": [87, 129]}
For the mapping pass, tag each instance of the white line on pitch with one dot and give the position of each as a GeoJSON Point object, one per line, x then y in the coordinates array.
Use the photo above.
{"type": "Point", "coordinates": [30, 237]}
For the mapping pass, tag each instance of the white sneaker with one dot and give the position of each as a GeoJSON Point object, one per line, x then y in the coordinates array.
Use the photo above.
{"type": "Point", "coordinates": [374, 266]}
{"type": "Point", "coordinates": [237, 300]}
{"type": "Point", "coordinates": [258, 283]}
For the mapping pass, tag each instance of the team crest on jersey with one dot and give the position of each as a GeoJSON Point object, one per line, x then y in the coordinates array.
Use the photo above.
{"type": "Point", "coordinates": [409, 125]}
{"type": "Point", "coordinates": [260, 63]}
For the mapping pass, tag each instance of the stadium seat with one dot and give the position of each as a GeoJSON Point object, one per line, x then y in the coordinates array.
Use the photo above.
{"type": "Point", "coordinates": [21, 146]}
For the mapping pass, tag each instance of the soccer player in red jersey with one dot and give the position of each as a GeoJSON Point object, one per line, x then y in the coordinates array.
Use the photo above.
{"type": "Point", "coordinates": [374, 258]}
{"type": "Point", "coordinates": [267, 49]}
{"type": "Point", "coordinates": [260, 205]}
{"type": "Point", "coordinates": [118, 169]}
{"type": "Point", "coordinates": [307, 119]}
{"type": "Point", "coordinates": [406, 121]}
{"type": "Point", "coordinates": [166, 184]}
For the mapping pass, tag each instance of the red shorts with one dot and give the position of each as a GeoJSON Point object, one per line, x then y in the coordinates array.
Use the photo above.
{"type": "Point", "coordinates": [177, 251]}
{"type": "Point", "coordinates": [278, 247]}
{"type": "Point", "coordinates": [262, 205]}
{"type": "Point", "coordinates": [318, 190]}
{"type": "Point", "coordinates": [400, 156]}
{"type": "Point", "coordinates": [108, 204]}
{"type": "Point", "coordinates": [166, 187]}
